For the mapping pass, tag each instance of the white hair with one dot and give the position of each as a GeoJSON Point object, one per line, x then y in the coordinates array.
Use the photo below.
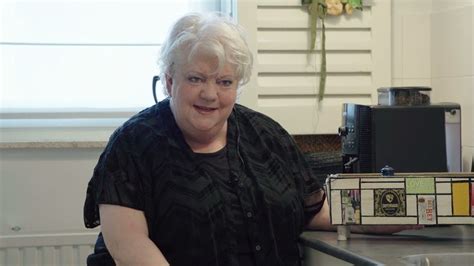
{"type": "Point", "coordinates": [211, 34]}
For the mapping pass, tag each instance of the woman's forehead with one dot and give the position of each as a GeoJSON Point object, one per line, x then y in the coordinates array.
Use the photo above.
{"type": "Point", "coordinates": [208, 65]}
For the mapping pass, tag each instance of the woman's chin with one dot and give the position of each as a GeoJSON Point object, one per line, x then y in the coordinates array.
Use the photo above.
{"type": "Point", "coordinates": [204, 127]}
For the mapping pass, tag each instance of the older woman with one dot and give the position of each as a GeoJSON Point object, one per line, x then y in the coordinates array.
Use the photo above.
{"type": "Point", "coordinates": [198, 179]}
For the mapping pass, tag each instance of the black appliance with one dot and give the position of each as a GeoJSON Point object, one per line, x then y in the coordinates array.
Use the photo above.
{"type": "Point", "coordinates": [419, 138]}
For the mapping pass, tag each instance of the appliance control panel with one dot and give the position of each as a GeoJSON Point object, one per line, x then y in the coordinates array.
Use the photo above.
{"type": "Point", "coordinates": [348, 131]}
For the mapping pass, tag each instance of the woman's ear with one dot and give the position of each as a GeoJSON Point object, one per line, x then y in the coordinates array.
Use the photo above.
{"type": "Point", "coordinates": [169, 83]}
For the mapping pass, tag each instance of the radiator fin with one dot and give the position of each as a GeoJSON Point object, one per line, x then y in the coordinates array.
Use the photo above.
{"type": "Point", "coordinates": [46, 250]}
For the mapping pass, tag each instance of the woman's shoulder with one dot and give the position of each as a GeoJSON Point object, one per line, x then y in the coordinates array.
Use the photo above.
{"type": "Point", "coordinates": [154, 116]}
{"type": "Point", "coordinates": [258, 121]}
{"type": "Point", "coordinates": [144, 127]}
{"type": "Point", "coordinates": [254, 116]}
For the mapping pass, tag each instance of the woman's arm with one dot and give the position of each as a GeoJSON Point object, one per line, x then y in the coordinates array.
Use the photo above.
{"type": "Point", "coordinates": [321, 220]}
{"type": "Point", "coordinates": [125, 233]}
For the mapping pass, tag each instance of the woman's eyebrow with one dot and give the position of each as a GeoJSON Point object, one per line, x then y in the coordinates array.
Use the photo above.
{"type": "Point", "coordinates": [193, 72]}
{"type": "Point", "coordinates": [229, 76]}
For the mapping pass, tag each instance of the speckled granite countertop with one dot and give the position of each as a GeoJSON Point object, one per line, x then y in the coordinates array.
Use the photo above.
{"type": "Point", "coordinates": [52, 144]}
{"type": "Point", "coordinates": [363, 249]}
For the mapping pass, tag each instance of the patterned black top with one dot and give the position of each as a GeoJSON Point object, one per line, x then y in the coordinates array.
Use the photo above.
{"type": "Point", "coordinates": [147, 165]}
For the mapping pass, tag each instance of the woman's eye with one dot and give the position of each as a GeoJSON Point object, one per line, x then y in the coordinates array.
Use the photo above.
{"type": "Point", "coordinates": [225, 83]}
{"type": "Point", "coordinates": [194, 79]}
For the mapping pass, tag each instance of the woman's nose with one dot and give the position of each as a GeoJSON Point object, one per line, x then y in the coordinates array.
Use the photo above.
{"type": "Point", "coordinates": [209, 91]}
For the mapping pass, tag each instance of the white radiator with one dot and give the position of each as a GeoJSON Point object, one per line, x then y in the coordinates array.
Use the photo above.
{"type": "Point", "coordinates": [46, 249]}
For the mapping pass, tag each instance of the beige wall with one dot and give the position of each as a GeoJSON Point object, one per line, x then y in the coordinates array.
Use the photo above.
{"type": "Point", "coordinates": [433, 44]}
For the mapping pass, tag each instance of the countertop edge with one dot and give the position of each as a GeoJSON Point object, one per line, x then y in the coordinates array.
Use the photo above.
{"type": "Point", "coordinates": [336, 252]}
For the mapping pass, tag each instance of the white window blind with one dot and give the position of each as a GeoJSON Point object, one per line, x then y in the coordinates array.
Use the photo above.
{"type": "Point", "coordinates": [287, 76]}
{"type": "Point", "coordinates": [61, 55]}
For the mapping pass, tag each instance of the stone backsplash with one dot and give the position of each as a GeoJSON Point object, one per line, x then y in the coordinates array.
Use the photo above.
{"type": "Point", "coordinates": [323, 153]}
{"type": "Point", "coordinates": [318, 143]}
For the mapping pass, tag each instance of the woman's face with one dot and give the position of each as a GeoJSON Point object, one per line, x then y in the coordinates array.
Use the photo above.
{"type": "Point", "coordinates": [201, 99]}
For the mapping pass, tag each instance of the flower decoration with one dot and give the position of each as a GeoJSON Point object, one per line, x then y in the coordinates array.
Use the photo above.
{"type": "Point", "coordinates": [318, 10]}
{"type": "Point", "coordinates": [334, 7]}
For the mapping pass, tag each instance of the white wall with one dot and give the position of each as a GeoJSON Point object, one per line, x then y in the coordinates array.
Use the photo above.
{"type": "Point", "coordinates": [411, 47]}
{"type": "Point", "coordinates": [433, 46]}
{"type": "Point", "coordinates": [43, 190]}
{"type": "Point", "coordinates": [452, 66]}
{"type": "Point", "coordinates": [2, 212]}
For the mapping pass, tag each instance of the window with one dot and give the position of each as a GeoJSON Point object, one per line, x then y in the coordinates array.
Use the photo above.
{"type": "Point", "coordinates": [74, 70]}
{"type": "Point", "coordinates": [80, 55]}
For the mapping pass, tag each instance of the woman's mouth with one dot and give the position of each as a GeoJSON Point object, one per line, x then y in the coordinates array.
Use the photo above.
{"type": "Point", "coordinates": [204, 109]}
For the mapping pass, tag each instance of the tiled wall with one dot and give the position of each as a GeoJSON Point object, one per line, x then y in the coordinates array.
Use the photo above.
{"type": "Point", "coordinates": [433, 45]}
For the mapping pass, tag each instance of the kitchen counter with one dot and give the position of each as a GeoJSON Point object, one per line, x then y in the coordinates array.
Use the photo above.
{"type": "Point", "coordinates": [361, 249]}
{"type": "Point", "coordinates": [52, 144]}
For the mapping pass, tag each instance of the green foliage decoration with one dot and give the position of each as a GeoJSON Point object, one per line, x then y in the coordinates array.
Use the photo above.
{"type": "Point", "coordinates": [318, 10]}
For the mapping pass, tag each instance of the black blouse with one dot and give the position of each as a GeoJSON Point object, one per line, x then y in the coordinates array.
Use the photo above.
{"type": "Point", "coordinates": [148, 166]}
{"type": "Point", "coordinates": [216, 165]}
